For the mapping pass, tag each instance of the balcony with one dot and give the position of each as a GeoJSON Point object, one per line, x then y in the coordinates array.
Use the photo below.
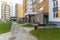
{"type": "Point", "coordinates": [31, 13]}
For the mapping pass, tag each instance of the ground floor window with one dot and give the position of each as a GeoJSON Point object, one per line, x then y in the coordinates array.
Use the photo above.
{"type": "Point", "coordinates": [55, 14]}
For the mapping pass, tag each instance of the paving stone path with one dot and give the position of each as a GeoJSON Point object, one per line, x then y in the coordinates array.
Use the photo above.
{"type": "Point", "coordinates": [19, 33]}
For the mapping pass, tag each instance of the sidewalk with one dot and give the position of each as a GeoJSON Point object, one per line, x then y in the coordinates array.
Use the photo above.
{"type": "Point", "coordinates": [5, 36]}
{"type": "Point", "coordinates": [20, 34]}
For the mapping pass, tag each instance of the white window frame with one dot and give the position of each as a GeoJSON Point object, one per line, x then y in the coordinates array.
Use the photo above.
{"type": "Point", "coordinates": [41, 8]}
{"type": "Point", "coordinates": [55, 14]}
{"type": "Point", "coordinates": [54, 2]}
{"type": "Point", "coordinates": [40, 1]}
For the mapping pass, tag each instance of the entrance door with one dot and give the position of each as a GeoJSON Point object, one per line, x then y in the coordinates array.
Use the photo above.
{"type": "Point", "coordinates": [46, 19]}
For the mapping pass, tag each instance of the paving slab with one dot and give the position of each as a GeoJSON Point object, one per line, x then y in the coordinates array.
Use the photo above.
{"type": "Point", "coordinates": [5, 36]}
{"type": "Point", "coordinates": [20, 34]}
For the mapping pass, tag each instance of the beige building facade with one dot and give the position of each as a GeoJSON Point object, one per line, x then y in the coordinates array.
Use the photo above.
{"type": "Point", "coordinates": [5, 11]}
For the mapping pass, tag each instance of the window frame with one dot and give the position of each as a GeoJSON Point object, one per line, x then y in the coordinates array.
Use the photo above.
{"type": "Point", "coordinates": [55, 14]}
{"type": "Point", "coordinates": [55, 3]}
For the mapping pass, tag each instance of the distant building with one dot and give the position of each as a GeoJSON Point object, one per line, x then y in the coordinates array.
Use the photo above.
{"type": "Point", "coordinates": [19, 11]}
{"type": "Point", "coordinates": [0, 9]}
{"type": "Point", "coordinates": [28, 10]}
{"type": "Point", "coordinates": [5, 11]}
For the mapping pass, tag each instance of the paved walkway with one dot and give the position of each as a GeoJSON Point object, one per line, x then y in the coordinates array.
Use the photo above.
{"type": "Point", "coordinates": [28, 29]}
{"type": "Point", "coordinates": [20, 34]}
{"type": "Point", "coordinates": [5, 36]}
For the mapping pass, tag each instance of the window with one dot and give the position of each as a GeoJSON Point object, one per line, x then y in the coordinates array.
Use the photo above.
{"type": "Point", "coordinates": [44, 8]}
{"type": "Point", "coordinates": [26, 0]}
{"type": "Point", "coordinates": [30, 0]}
{"type": "Point", "coordinates": [33, 1]}
{"type": "Point", "coordinates": [41, 8]}
{"type": "Point", "coordinates": [55, 14]}
{"type": "Point", "coordinates": [40, 1]}
{"type": "Point", "coordinates": [30, 3]}
{"type": "Point", "coordinates": [55, 3]}
{"type": "Point", "coordinates": [2, 16]}
{"type": "Point", "coordinates": [30, 8]}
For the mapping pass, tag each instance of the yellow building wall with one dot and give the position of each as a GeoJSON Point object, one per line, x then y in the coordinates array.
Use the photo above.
{"type": "Point", "coordinates": [44, 4]}
{"type": "Point", "coordinates": [20, 10]}
{"type": "Point", "coordinates": [58, 13]}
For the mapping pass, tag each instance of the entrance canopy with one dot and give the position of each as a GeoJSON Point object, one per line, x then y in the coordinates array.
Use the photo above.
{"type": "Point", "coordinates": [31, 13]}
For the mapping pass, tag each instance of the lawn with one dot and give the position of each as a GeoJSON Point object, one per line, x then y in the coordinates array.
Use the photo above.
{"type": "Point", "coordinates": [20, 22]}
{"type": "Point", "coordinates": [47, 33]}
{"type": "Point", "coordinates": [28, 25]}
{"type": "Point", "coordinates": [5, 27]}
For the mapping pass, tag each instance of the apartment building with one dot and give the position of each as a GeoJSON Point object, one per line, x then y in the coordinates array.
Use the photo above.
{"type": "Point", "coordinates": [28, 10]}
{"type": "Point", "coordinates": [19, 11]}
{"type": "Point", "coordinates": [0, 9]}
{"type": "Point", "coordinates": [5, 11]}
{"type": "Point", "coordinates": [54, 12]}
{"type": "Point", "coordinates": [42, 9]}
{"type": "Point", "coordinates": [37, 9]}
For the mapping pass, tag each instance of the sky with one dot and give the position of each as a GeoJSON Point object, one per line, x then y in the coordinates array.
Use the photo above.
{"type": "Point", "coordinates": [14, 1]}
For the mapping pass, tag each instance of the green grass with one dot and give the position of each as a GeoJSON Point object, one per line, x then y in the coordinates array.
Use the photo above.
{"type": "Point", "coordinates": [28, 25]}
{"type": "Point", "coordinates": [5, 27]}
{"type": "Point", "coordinates": [20, 22]}
{"type": "Point", "coordinates": [47, 34]}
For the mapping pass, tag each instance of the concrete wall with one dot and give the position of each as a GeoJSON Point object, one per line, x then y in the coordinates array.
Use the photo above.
{"type": "Point", "coordinates": [39, 18]}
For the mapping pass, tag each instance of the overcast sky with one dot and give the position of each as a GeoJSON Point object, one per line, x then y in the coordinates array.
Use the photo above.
{"type": "Point", "coordinates": [14, 1]}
